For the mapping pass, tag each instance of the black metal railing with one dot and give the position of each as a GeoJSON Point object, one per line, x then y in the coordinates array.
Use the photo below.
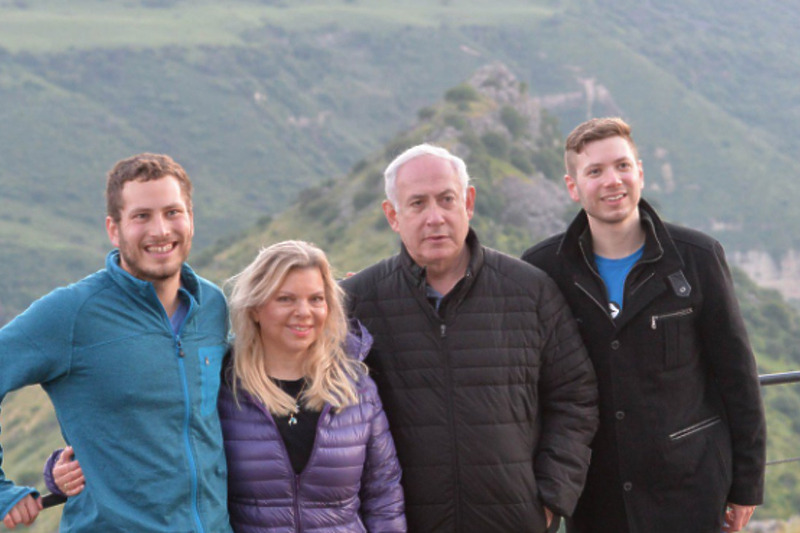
{"type": "Point", "coordinates": [780, 378]}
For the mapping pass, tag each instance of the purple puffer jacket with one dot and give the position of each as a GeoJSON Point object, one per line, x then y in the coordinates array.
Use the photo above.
{"type": "Point", "coordinates": [350, 484]}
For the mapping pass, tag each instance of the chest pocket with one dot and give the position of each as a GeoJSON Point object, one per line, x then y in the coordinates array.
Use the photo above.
{"type": "Point", "coordinates": [676, 330]}
{"type": "Point", "coordinates": [210, 368]}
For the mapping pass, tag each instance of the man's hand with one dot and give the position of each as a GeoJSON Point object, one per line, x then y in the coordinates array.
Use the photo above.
{"type": "Point", "coordinates": [549, 515]}
{"type": "Point", "coordinates": [67, 473]}
{"type": "Point", "coordinates": [24, 512]}
{"type": "Point", "coordinates": [737, 516]}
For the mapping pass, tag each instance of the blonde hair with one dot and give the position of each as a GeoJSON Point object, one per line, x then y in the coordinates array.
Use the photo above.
{"type": "Point", "coordinates": [330, 373]}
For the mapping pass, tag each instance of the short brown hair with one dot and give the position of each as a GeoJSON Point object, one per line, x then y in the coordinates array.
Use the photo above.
{"type": "Point", "coordinates": [143, 167]}
{"type": "Point", "coordinates": [593, 130]}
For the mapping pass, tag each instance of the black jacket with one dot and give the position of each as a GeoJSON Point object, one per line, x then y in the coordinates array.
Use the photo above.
{"type": "Point", "coordinates": [491, 401]}
{"type": "Point", "coordinates": [682, 426]}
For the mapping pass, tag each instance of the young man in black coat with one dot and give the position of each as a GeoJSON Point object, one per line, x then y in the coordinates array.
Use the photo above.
{"type": "Point", "coordinates": [681, 444]}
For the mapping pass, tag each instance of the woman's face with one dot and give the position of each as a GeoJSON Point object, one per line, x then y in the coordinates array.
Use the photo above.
{"type": "Point", "coordinates": [293, 318]}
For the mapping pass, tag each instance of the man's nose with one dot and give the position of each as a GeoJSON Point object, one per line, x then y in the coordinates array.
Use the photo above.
{"type": "Point", "coordinates": [434, 216]}
{"type": "Point", "coordinates": [613, 177]}
{"type": "Point", "coordinates": [159, 226]}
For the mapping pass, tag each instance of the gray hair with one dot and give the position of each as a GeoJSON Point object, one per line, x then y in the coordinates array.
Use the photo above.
{"type": "Point", "coordinates": [390, 174]}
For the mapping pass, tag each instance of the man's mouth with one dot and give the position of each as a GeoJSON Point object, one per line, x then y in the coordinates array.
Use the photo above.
{"type": "Point", "coordinates": [161, 248]}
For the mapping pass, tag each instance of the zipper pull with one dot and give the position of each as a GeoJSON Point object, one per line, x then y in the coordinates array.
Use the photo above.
{"type": "Point", "coordinates": [180, 348]}
{"type": "Point", "coordinates": [442, 330]}
{"type": "Point", "coordinates": [653, 322]}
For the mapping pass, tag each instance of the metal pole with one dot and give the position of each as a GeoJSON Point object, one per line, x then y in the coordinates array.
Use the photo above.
{"type": "Point", "coordinates": [780, 378]}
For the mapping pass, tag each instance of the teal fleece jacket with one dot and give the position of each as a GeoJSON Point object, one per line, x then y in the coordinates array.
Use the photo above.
{"type": "Point", "coordinates": [136, 402]}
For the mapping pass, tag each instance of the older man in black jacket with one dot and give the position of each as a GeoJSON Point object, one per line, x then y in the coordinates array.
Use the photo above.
{"type": "Point", "coordinates": [681, 444]}
{"type": "Point", "coordinates": [488, 389]}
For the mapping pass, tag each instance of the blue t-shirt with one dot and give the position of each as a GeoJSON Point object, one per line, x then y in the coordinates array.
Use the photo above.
{"type": "Point", "coordinates": [614, 272]}
{"type": "Point", "coordinates": [177, 318]}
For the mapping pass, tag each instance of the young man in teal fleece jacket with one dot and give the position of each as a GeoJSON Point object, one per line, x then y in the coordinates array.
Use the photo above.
{"type": "Point", "coordinates": [130, 357]}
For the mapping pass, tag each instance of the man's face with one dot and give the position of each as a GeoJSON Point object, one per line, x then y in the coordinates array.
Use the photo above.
{"type": "Point", "coordinates": [608, 181]}
{"type": "Point", "coordinates": [154, 233]}
{"type": "Point", "coordinates": [432, 216]}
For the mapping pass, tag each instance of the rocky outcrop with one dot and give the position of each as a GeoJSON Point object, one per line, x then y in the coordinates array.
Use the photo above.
{"type": "Point", "coordinates": [780, 273]}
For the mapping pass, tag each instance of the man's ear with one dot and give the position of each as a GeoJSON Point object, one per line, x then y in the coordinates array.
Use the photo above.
{"type": "Point", "coordinates": [641, 174]}
{"type": "Point", "coordinates": [391, 214]}
{"type": "Point", "coordinates": [112, 228]}
{"type": "Point", "coordinates": [572, 188]}
{"type": "Point", "coordinates": [191, 223]}
{"type": "Point", "coordinates": [470, 201]}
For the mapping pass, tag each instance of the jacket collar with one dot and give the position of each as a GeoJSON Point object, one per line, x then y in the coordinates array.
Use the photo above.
{"type": "Point", "coordinates": [140, 289]}
{"type": "Point", "coordinates": [415, 273]}
{"type": "Point", "coordinates": [658, 246]}
{"type": "Point", "coordinates": [358, 341]}
{"type": "Point", "coordinates": [658, 269]}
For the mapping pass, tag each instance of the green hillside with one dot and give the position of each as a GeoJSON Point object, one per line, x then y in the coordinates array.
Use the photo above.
{"type": "Point", "coordinates": [262, 99]}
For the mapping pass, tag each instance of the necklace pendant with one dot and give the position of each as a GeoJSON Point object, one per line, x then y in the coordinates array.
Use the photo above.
{"type": "Point", "coordinates": [292, 420]}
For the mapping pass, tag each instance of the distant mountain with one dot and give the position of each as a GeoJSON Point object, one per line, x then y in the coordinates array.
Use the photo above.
{"type": "Point", "coordinates": [514, 151]}
{"type": "Point", "coordinates": [261, 99]}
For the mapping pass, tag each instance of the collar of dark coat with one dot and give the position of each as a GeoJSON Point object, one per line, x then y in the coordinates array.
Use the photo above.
{"type": "Point", "coordinates": [659, 268]}
{"type": "Point", "coordinates": [415, 273]}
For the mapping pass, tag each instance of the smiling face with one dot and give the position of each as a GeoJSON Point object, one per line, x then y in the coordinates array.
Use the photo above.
{"type": "Point", "coordinates": [432, 213]}
{"type": "Point", "coordinates": [293, 318]}
{"type": "Point", "coordinates": [607, 182]}
{"type": "Point", "coordinates": [154, 231]}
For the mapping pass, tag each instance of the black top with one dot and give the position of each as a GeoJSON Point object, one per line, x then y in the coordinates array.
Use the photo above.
{"type": "Point", "coordinates": [298, 438]}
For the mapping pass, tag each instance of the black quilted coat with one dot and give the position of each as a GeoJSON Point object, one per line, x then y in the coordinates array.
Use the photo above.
{"type": "Point", "coordinates": [491, 401]}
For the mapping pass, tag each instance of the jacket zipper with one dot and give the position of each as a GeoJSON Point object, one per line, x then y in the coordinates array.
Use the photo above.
{"type": "Point", "coordinates": [641, 283]}
{"type": "Point", "coordinates": [683, 312]}
{"type": "Point", "coordinates": [298, 526]}
{"type": "Point", "coordinates": [694, 428]}
{"type": "Point", "coordinates": [297, 477]}
{"type": "Point", "coordinates": [186, 441]}
{"type": "Point", "coordinates": [451, 410]}
{"type": "Point", "coordinates": [593, 299]}
{"type": "Point", "coordinates": [187, 416]}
